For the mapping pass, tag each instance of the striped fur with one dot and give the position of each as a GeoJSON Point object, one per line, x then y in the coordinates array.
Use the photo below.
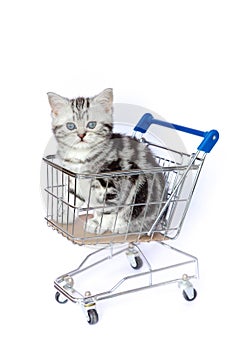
{"type": "Point", "coordinates": [83, 128]}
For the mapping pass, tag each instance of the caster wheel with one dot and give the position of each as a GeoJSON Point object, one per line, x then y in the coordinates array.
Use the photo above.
{"type": "Point", "coordinates": [189, 297]}
{"type": "Point", "coordinates": [93, 317]}
{"type": "Point", "coordinates": [137, 263]}
{"type": "Point", "coordinates": [59, 299]}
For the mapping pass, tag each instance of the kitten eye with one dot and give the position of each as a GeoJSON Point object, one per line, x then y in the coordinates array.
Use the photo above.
{"type": "Point", "coordinates": [70, 126]}
{"type": "Point", "coordinates": [91, 125]}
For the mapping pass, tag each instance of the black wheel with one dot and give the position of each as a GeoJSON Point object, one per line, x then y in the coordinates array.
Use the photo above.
{"type": "Point", "coordinates": [58, 299]}
{"type": "Point", "coordinates": [185, 295]}
{"type": "Point", "coordinates": [138, 263]}
{"type": "Point", "coordinates": [93, 316]}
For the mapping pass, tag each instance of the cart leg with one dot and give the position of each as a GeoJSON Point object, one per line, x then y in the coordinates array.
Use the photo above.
{"type": "Point", "coordinates": [188, 291]}
{"type": "Point", "coordinates": [89, 308]}
{"type": "Point", "coordinates": [134, 257]}
{"type": "Point", "coordinates": [68, 286]}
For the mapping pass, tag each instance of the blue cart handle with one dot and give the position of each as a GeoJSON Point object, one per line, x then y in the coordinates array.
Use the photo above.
{"type": "Point", "coordinates": [210, 137]}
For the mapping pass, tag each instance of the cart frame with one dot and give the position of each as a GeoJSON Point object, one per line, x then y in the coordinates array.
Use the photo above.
{"type": "Point", "coordinates": [181, 171]}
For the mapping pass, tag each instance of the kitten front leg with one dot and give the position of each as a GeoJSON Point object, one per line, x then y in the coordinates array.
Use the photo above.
{"type": "Point", "coordinates": [65, 210]}
{"type": "Point", "coordinates": [104, 193]}
{"type": "Point", "coordinates": [66, 206]}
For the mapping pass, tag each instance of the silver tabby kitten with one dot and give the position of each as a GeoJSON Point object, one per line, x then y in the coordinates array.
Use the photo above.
{"type": "Point", "coordinates": [83, 128]}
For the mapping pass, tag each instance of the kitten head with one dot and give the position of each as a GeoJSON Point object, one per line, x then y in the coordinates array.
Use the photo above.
{"type": "Point", "coordinates": [82, 123]}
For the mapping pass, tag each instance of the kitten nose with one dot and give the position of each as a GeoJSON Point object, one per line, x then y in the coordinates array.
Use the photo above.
{"type": "Point", "coordinates": [82, 136]}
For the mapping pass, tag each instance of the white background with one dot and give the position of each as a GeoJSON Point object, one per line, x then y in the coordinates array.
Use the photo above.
{"type": "Point", "coordinates": [174, 57]}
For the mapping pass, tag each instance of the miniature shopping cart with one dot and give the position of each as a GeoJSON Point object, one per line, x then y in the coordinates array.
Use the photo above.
{"type": "Point", "coordinates": [147, 265]}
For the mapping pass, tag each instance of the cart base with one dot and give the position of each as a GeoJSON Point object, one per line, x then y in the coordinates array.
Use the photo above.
{"type": "Point", "coordinates": [183, 268]}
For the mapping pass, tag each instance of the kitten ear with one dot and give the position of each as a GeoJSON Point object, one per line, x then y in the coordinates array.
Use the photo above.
{"type": "Point", "coordinates": [57, 102]}
{"type": "Point", "coordinates": [105, 98]}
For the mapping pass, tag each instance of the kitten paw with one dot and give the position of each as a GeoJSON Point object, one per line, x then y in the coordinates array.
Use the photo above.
{"type": "Point", "coordinates": [93, 226]}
